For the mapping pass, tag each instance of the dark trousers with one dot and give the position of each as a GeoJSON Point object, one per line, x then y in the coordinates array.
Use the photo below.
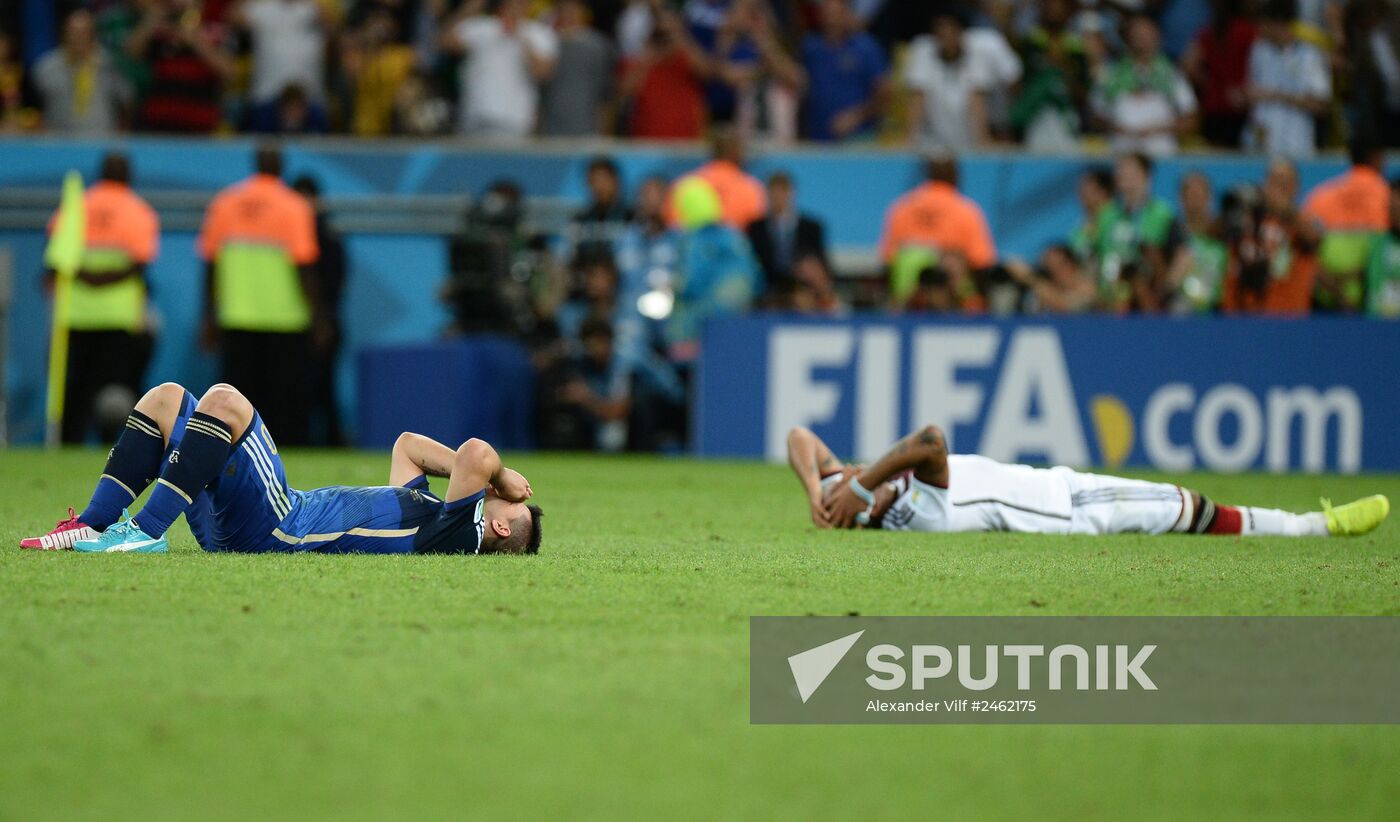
{"type": "Point", "coordinates": [271, 370]}
{"type": "Point", "coordinates": [96, 360]}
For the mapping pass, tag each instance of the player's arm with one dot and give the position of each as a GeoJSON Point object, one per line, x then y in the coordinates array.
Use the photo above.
{"type": "Point", "coordinates": [476, 465]}
{"type": "Point", "coordinates": [415, 456]}
{"type": "Point", "coordinates": [925, 452]}
{"type": "Point", "coordinates": [809, 458]}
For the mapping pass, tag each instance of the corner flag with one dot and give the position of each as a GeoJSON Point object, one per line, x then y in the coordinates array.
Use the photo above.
{"type": "Point", "coordinates": [64, 254]}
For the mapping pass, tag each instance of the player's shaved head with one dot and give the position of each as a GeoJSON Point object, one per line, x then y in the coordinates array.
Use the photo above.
{"type": "Point", "coordinates": [524, 536]}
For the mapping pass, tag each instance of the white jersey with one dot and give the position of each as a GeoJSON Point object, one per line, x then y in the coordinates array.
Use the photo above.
{"type": "Point", "coordinates": [986, 495]}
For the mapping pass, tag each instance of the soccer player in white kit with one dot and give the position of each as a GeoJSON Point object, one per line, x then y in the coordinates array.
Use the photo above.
{"type": "Point", "coordinates": [918, 486]}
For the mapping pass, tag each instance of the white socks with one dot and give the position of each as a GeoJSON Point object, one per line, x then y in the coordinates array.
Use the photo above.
{"type": "Point", "coordinates": [1269, 522]}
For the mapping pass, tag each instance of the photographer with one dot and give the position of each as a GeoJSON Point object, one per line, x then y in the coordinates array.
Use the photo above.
{"type": "Point", "coordinates": [1273, 249]}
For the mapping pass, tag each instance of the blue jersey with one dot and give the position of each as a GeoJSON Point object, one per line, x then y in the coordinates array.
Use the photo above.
{"type": "Point", "coordinates": [250, 508]}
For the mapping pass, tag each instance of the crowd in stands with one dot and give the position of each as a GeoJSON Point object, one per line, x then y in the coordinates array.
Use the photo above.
{"type": "Point", "coordinates": [612, 308]}
{"type": "Point", "coordinates": [1283, 76]}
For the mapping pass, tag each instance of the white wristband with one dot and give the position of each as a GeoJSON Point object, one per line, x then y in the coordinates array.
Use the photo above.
{"type": "Point", "coordinates": [864, 495]}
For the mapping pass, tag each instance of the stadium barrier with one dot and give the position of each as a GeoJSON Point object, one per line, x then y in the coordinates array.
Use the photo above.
{"type": "Point", "coordinates": [396, 200]}
{"type": "Point", "coordinates": [1170, 394]}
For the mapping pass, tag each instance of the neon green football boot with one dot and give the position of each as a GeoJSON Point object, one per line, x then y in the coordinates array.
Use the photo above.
{"type": "Point", "coordinates": [1356, 518]}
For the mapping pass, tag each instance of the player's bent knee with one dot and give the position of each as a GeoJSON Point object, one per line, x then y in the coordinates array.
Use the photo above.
{"type": "Point", "coordinates": [166, 396]}
{"type": "Point", "coordinates": [226, 403]}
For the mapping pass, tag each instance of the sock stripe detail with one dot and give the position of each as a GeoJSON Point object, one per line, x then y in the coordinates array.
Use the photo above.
{"type": "Point", "coordinates": [123, 485]}
{"type": "Point", "coordinates": [172, 486]}
{"type": "Point", "coordinates": [209, 429]}
{"type": "Point", "coordinates": [144, 427]}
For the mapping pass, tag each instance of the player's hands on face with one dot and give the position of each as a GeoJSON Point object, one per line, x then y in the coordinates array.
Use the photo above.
{"type": "Point", "coordinates": [512, 486]}
{"type": "Point", "coordinates": [844, 505]}
{"type": "Point", "coordinates": [818, 510]}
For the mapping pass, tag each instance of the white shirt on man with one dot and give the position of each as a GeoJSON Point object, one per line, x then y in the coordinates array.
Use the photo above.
{"type": "Point", "coordinates": [1296, 69]}
{"type": "Point", "coordinates": [499, 95]}
{"type": "Point", "coordinates": [947, 88]}
{"type": "Point", "coordinates": [289, 47]}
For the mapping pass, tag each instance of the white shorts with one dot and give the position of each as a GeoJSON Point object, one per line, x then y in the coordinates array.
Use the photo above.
{"type": "Point", "coordinates": [1114, 505]}
{"type": "Point", "coordinates": [1086, 504]}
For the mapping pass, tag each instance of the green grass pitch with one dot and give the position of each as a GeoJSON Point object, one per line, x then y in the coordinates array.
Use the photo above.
{"type": "Point", "coordinates": [607, 678]}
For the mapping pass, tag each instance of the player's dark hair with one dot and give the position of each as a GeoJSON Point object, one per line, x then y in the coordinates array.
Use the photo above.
{"type": "Point", "coordinates": [307, 186]}
{"type": "Point", "coordinates": [116, 168]}
{"type": "Point", "coordinates": [532, 545]}
{"type": "Point", "coordinates": [524, 538]}
{"type": "Point", "coordinates": [779, 179]}
{"type": "Point", "coordinates": [268, 160]}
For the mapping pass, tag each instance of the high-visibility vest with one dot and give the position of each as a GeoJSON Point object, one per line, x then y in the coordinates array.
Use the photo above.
{"type": "Point", "coordinates": [119, 306]}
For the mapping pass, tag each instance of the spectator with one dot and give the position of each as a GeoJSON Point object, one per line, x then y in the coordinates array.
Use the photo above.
{"type": "Point", "coordinates": [1273, 261]}
{"type": "Point", "coordinates": [945, 285]}
{"type": "Point", "coordinates": [746, 55]}
{"type": "Point", "coordinates": [1352, 210]}
{"type": "Point", "coordinates": [663, 85]}
{"type": "Point", "coordinates": [786, 235]}
{"type": "Point", "coordinates": [847, 77]}
{"type": "Point", "coordinates": [1289, 86]}
{"type": "Point", "coordinates": [1095, 200]}
{"type": "Point", "coordinates": [734, 59]}
{"type": "Point", "coordinates": [1142, 99]}
{"type": "Point", "coordinates": [505, 57]}
{"type": "Point", "coordinates": [1373, 63]}
{"type": "Point", "coordinates": [1046, 113]}
{"type": "Point", "coordinates": [188, 68]}
{"type": "Point", "coordinates": [417, 110]}
{"type": "Point", "coordinates": [948, 88]}
{"type": "Point", "coordinates": [1199, 292]}
{"type": "Point", "coordinates": [376, 66]}
{"type": "Point", "coordinates": [606, 215]}
{"type": "Point", "coordinates": [330, 272]}
{"type": "Point", "coordinates": [989, 48]}
{"type": "Point", "coordinates": [647, 249]}
{"type": "Point", "coordinates": [600, 389]}
{"type": "Point", "coordinates": [289, 47]}
{"type": "Point", "coordinates": [596, 298]}
{"type": "Point", "coordinates": [261, 301]}
{"type": "Point", "coordinates": [293, 112]}
{"type": "Point", "coordinates": [110, 343]}
{"type": "Point", "coordinates": [1141, 249]}
{"type": "Point", "coordinates": [11, 84]}
{"type": "Point", "coordinates": [1383, 269]}
{"type": "Point", "coordinates": [79, 88]}
{"type": "Point", "coordinates": [575, 99]}
{"type": "Point", "coordinates": [742, 198]}
{"type": "Point", "coordinates": [1061, 286]}
{"type": "Point", "coordinates": [934, 218]}
{"type": "Point", "coordinates": [1217, 62]}
{"type": "Point", "coordinates": [814, 289]}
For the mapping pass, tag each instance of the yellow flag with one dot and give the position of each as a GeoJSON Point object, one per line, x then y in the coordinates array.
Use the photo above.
{"type": "Point", "coordinates": [64, 254]}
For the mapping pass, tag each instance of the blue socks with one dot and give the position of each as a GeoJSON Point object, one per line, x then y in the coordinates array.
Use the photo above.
{"type": "Point", "coordinates": [131, 466]}
{"type": "Point", "coordinates": [203, 452]}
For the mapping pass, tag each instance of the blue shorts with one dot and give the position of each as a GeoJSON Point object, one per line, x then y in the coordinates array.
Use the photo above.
{"type": "Point", "coordinates": [242, 507]}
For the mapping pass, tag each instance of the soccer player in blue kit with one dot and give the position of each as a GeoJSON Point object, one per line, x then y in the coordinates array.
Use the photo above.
{"type": "Point", "coordinates": [214, 461]}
